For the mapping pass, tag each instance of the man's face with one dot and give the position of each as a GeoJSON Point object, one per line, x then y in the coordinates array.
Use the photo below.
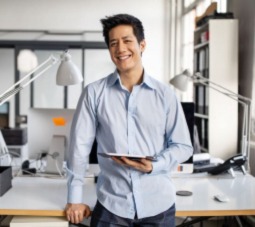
{"type": "Point", "coordinates": [124, 48]}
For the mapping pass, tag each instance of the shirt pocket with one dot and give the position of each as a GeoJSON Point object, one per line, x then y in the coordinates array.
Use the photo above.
{"type": "Point", "coordinates": [151, 118]}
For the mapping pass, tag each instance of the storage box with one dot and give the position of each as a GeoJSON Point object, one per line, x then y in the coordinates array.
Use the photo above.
{"type": "Point", "coordinates": [15, 136]}
{"type": "Point", "coordinates": [5, 179]}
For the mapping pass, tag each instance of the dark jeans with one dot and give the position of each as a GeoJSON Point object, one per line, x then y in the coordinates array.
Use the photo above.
{"type": "Point", "coordinates": [101, 217]}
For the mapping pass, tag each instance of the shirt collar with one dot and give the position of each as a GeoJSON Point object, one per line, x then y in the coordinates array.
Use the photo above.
{"type": "Point", "coordinates": [113, 78]}
{"type": "Point", "coordinates": [116, 77]}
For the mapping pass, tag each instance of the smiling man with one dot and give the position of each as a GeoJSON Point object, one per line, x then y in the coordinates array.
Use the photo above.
{"type": "Point", "coordinates": [128, 112]}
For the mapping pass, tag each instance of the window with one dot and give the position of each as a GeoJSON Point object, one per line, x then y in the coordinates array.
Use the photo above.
{"type": "Point", "coordinates": [192, 9]}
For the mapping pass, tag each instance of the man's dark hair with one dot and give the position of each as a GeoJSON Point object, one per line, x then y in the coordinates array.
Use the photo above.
{"type": "Point", "coordinates": [122, 19]}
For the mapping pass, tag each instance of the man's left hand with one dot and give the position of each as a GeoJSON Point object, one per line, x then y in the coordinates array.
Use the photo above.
{"type": "Point", "coordinates": [142, 165]}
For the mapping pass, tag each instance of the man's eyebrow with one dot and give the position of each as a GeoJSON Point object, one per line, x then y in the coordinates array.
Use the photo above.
{"type": "Point", "coordinates": [112, 40]}
{"type": "Point", "coordinates": [124, 37]}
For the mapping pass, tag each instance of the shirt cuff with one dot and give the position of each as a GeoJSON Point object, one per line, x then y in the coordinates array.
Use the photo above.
{"type": "Point", "coordinates": [162, 164]}
{"type": "Point", "coordinates": [75, 194]}
{"type": "Point", "coordinates": [157, 166]}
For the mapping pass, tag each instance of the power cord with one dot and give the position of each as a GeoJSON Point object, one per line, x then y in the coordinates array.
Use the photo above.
{"type": "Point", "coordinates": [55, 156]}
{"type": "Point", "coordinates": [25, 170]}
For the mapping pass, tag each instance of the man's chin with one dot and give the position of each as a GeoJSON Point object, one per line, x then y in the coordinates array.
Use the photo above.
{"type": "Point", "coordinates": [122, 69]}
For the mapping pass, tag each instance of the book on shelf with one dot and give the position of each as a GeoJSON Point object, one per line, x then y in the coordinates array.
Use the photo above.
{"type": "Point", "coordinates": [200, 90]}
{"type": "Point", "coordinates": [206, 133]}
{"type": "Point", "coordinates": [202, 131]}
{"type": "Point", "coordinates": [206, 99]}
{"type": "Point", "coordinates": [206, 73]}
{"type": "Point", "coordinates": [202, 61]}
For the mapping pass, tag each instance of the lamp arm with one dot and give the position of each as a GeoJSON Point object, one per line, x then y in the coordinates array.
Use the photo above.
{"type": "Point", "coordinates": [14, 89]}
{"type": "Point", "coordinates": [246, 119]}
{"type": "Point", "coordinates": [231, 96]}
{"type": "Point", "coordinates": [180, 82]}
{"type": "Point", "coordinates": [198, 76]}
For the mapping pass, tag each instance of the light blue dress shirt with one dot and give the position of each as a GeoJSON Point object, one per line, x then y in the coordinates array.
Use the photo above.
{"type": "Point", "coordinates": [148, 121]}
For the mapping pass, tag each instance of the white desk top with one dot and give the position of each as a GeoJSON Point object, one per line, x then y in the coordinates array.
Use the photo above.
{"type": "Point", "coordinates": [47, 197]}
{"type": "Point", "coordinates": [239, 190]}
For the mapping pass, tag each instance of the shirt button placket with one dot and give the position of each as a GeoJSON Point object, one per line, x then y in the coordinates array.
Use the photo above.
{"type": "Point", "coordinates": [130, 123]}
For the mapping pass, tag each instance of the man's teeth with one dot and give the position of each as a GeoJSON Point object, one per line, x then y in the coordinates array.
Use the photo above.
{"type": "Point", "coordinates": [123, 57]}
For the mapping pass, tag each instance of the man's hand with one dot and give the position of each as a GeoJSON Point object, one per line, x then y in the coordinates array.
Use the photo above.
{"type": "Point", "coordinates": [142, 165]}
{"type": "Point", "coordinates": [76, 212]}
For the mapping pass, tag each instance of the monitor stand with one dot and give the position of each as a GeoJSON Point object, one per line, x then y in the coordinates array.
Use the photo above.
{"type": "Point", "coordinates": [56, 155]}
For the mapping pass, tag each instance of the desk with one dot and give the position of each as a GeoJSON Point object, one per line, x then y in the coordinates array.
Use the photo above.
{"type": "Point", "coordinates": [47, 197]}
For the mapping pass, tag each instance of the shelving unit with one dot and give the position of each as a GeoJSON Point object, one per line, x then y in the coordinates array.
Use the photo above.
{"type": "Point", "coordinates": [216, 58]}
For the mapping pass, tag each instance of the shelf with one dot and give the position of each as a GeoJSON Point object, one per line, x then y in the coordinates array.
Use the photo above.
{"type": "Point", "coordinates": [216, 58]}
{"type": "Point", "coordinates": [201, 28]}
{"type": "Point", "coordinates": [204, 150]}
{"type": "Point", "coordinates": [201, 45]}
{"type": "Point", "coordinates": [201, 116]}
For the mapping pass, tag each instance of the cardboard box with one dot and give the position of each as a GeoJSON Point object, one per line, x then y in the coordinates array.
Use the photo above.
{"type": "Point", "coordinates": [5, 179]}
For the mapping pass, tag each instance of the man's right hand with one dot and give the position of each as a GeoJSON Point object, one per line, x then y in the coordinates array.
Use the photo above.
{"type": "Point", "coordinates": [76, 212]}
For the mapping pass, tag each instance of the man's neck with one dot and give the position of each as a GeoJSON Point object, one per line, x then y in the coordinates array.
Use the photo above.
{"type": "Point", "coordinates": [130, 79]}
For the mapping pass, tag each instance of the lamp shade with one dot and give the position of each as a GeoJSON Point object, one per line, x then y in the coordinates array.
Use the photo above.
{"type": "Point", "coordinates": [68, 73]}
{"type": "Point", "coordinates": [181, 81]}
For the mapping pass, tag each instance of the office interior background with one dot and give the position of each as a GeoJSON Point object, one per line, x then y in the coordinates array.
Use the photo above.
{"type": "Point", "coordinates": [50, 26]}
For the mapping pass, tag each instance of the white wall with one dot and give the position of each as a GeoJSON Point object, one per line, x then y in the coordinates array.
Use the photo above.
{"type": "Point", "coordinates": [244, 11]}
{"type": "Point", "coordinates": [85, 15]}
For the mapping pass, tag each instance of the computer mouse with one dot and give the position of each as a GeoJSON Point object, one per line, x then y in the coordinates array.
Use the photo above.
{"type": "Point", "coordinates": [221, 198]}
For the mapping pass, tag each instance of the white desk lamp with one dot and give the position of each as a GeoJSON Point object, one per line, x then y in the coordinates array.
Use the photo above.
{"type": "Point", "coordinates": [181, 81]}
{"type": "Point", "coordinates": [67, 74]}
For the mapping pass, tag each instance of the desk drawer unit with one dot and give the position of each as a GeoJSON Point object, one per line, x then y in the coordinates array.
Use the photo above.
{"type": "Point", "coordinates": [36, 221]}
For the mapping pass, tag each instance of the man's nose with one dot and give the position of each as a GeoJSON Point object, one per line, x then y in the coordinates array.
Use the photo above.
{"type": "Point", "coordinates": [121, 47]}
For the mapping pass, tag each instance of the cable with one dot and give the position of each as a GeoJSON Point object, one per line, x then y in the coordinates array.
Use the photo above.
{"type": "Point", "coordinates": [56, 162]}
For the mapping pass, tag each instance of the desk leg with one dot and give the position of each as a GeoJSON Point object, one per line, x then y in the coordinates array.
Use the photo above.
{"type": "Point", "coordinates": [238, 221]}
{"type": "Point", "coordinates": [196, 220]}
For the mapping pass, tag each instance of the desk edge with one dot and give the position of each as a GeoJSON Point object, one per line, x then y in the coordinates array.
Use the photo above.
{"type": "Point", "coordinates": [33, 212]}
{"type": "Point", "coordinates": [215, 213]}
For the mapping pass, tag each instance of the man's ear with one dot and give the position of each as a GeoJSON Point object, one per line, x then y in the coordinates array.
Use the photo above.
{"type": "Point", "coordinates": [142, 45]}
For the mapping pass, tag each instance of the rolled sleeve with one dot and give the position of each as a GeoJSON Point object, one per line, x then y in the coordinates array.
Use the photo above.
{"type": "Point", "coordinates": [75, 194]}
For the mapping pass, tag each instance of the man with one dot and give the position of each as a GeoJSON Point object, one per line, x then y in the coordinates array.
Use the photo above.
{"type": "Point", "coordinates": [128, 112]}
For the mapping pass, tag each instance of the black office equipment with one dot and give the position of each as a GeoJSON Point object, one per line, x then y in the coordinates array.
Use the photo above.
{"type": "Point", "coordinates": [25, 168]}
{"type": "Point", "coordinates": [15, 136]}
{"type": "Point", "coordinates": [93, 154]}
{"type": "Point", "coordinates": [233, 162]}
{"type": "Point", "coordinates": [5, 179]}
{"type": "Point", "coordinates": [189, 112]}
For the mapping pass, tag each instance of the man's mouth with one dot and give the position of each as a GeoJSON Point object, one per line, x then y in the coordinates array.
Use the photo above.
{"type": "Point", "coordinates": [122, 58]}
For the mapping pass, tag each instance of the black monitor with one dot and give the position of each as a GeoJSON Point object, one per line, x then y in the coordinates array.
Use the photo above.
{"type": "Point", "coordinates": [93, 154]}
{"type": "Point", "coordinates": [189, 112]}
{"type": "Point", "coordinates": [188, 109]}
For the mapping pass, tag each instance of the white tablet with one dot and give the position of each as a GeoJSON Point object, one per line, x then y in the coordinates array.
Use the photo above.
{"type": "Point", "coordinates": [130, 156]}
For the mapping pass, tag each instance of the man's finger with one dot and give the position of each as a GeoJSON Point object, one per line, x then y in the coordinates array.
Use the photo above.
{"type": "Point", "coordinates": [87, 213]}
{"type": "Point", "coordinates": [118, 160]}
{"type": "Point", "coordinates": [80, 216]}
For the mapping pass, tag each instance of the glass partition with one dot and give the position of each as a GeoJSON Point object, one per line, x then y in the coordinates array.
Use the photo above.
{"type": "Point", "coordinates": [98, 64]}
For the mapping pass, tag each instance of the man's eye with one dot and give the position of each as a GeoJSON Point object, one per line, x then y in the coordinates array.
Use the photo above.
{"type": "Point", "coordinates": [113, 44]}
